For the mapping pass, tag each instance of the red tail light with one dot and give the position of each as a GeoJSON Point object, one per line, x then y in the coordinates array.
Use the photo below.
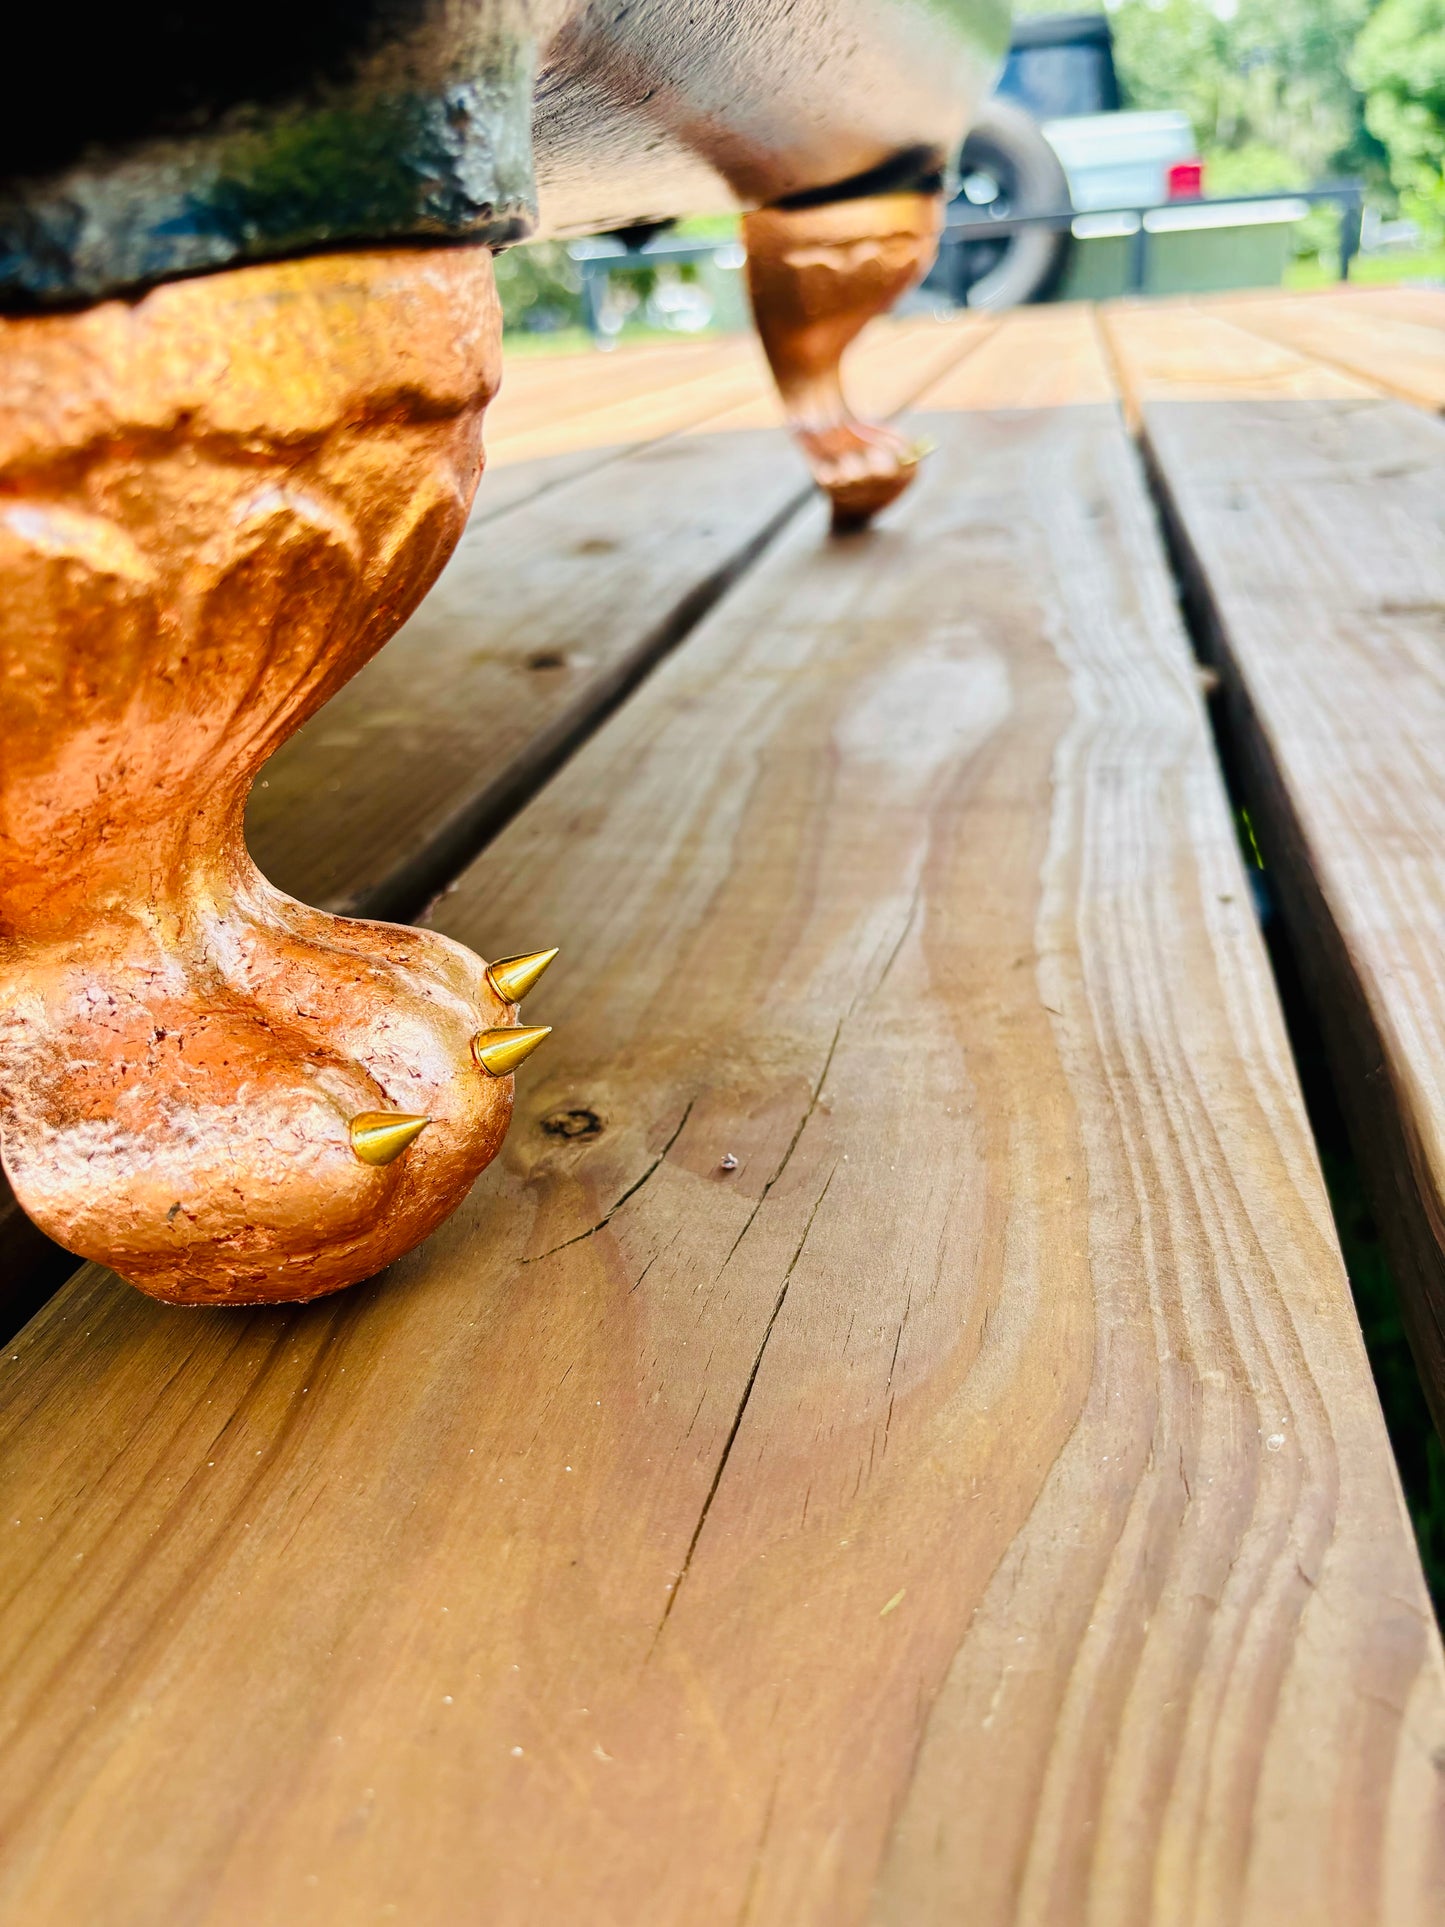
{"type": "Point", "coordinates": [1185, 181]}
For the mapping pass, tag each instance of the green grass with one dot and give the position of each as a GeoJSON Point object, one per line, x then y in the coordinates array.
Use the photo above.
{"type": "Point", "coordinates": [558, 341]}
{"type": "Point", "coordinates": [577, 341]}
{"type": "Point", "coordinates": [1367, 270]}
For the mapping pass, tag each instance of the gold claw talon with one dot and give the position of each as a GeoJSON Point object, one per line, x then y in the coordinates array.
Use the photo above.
{"type": "Point", "coordinates": [513, 977]}
{"type": "Point", "coordinates": [379, 1136]}
{"type": "Point", "coordinates": [499, 1052]}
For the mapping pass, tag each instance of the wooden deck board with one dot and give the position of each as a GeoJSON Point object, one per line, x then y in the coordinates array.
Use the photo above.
{"type": "Point", "coordinates": [1173, 349]}
{"type": "Point", "coordinates": [566, 414]}
{"type": "Point", "coordinates": [539, 621]}
{"type": "Point", "coordinates": [1414, 300]}
{"type": "Point", "coordinates": [1051, 357]}
{"type": "Point", "coordinates": [973, 1504]}
{"type": "Point", "coordinates": [558, 416]}
{"type": "Point", "coordinates": [542, 618]}
{"type": "Point", "coordinates": [1404, 354]}
{"type": "Point", "coordinates": [1317, 538]}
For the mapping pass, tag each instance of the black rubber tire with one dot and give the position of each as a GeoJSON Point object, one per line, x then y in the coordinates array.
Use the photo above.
{"type": "Point", "coordinates": [1007, 144]}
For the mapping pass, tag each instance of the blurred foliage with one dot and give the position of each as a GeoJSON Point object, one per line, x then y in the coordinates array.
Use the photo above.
{"type": "Point", "coordinates": [1414, 264]}
{"type": "Point", "coordinates": [1399, 64]}
{"type": "Point", "coordinates": [1284, 93]}
{"type": "Point", "coordinates": [540, 287]}
{"type": "Point", "coordinates": [1252, 168]}
{"type": "Point", "coordinates": [708, 227]}
{"type": "Point", "coordinates": [1267, 89]}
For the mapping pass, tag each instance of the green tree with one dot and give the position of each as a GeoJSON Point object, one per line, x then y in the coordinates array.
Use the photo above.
{"type": "Point", "coordinates": [1399, 63]}
{"type": "Point", "coordinates": [1172, 53]}
{"type": "Point", "coordinates": [1267, 89]}
{"type": "Point", "coordinates": [540, 287]}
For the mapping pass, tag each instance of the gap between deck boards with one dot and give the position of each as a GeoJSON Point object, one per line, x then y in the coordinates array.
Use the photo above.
{"type": "Point", "coordinates": [1366, 961]}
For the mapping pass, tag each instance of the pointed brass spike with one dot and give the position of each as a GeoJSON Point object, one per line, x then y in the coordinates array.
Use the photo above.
{"type": "Point", "coordinates": [513, 977]}
{"type": "Point", "coordinates": [499, 1052]}
{"type": "Point", "coordinates": [379, 1136]}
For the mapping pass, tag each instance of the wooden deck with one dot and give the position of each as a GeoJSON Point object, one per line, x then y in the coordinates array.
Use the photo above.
{"type": "Point", "coordinates": [889, 1441]}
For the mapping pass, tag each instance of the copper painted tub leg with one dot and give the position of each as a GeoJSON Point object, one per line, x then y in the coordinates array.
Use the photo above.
{"type": "Point", "coordinates": [817, 275]}
{"type": "Point", "coordinates": [215, 504]}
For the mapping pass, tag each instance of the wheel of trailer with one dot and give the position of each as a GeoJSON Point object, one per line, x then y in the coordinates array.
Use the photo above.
{"type": "Point", "coordinates": [1008, 168]}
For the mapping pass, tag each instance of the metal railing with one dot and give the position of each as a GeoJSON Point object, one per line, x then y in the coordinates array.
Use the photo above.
{"type": "Point", "coordinates": [961, 229]}
{"type": "Point", "coordinates": [600, 256]}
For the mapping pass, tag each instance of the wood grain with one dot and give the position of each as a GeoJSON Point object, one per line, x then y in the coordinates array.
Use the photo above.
{"type": "Point", "coordinates": [1416, 300]}
{"type": "Point", "coordinates": [1175, 350]}
{"type": "Point", "coordinates": [1048, 357]}
{"type": "Point", "coordinates": [589, 401]}
{"type": "Point", "coordinates": [889, 1441]}
{"type": "Point", "coordinates": [544, 617]}
{"type": "Point", "coordinates": [1363, 334]}
{"type": "Point", "coordinates": [560, 415]}
{"type": "Point", "coordinates": [1316, 540]}
{"type": "Point", "coordinates": [589, 408]}
{"type": "Point", "coordinates": [893, 364]}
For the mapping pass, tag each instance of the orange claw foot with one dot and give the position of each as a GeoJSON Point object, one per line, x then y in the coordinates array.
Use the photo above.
{"type": "Point", "coordinates": [215, 504]}
{"type": "Point", "coordinates": [817, 275]}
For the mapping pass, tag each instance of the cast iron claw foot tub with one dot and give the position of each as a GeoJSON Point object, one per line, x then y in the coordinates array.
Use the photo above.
{"type": "Point", "coordinates": [249, 332]}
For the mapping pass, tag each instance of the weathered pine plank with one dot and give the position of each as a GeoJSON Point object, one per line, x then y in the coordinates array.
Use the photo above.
{"type": "Point", "coordinates": [1172, 349]}
{"type": "Point", "coordinates": [1417, 300]}
{"type": "Point", "coordinates": [558, 416]}
{"type": "Point", "coordinates": [543, 618]}
{"type": "Point", "coordinates": [888, 1442]}
{"type": "Point", "coordinates": [541, 391]}
{"type": "Point", "coordinates": [1049, 357]}
{"type": "Point", "coordinates": [1316, 539]}
{"type": "Point", "coordinates": [582, 410]}
{"type": "Point", "coordinates": [891, 365]}
{"type": "Point", "coordinates": [1414, 299]}
{"type": "Point", "coordinates": [579, 402]}
{"type": "Point", "coordinates": [1364, 336]}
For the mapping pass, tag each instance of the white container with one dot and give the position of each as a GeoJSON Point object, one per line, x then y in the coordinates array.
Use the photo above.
{"type": "Point", "coordinates": [1120, 160]}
